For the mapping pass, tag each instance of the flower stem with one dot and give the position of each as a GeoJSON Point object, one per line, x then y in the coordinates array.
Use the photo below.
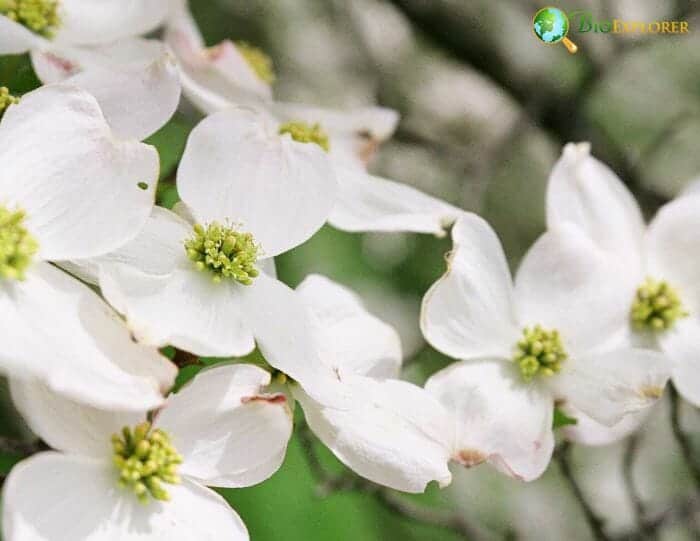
{"type": "Point", "coordinates": [594, 521]}
{"type": "Point", "coordinates": [391, 500]}
{"type": "Point", "coordinates": [682, 438]}
{"type": "Point", "coordinates": [645, 529]}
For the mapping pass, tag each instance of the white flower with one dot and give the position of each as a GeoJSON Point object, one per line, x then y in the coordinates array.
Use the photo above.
{"type": "Point", "coordinates": [657, 268]}
{"type": "Point", "coordinates": [85, 43]}
{"type": "Point", "coordinates": [197, 281]}
{"type": "Point", "coordinates": [530, 345]}
{"type": "Point", "coordinates": [75, 22]}
{"type": "Point", "coordinates": [229, 74]}
{"type": "Point", "coordinates": [219, 430]}
{"type": "Point", "coordinates": [386, 430]}
{"type": "Point", "coordinates": [70, 190]}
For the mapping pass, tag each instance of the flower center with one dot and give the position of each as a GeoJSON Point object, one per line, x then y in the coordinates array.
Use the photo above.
{"type": "Point", "coordinates": [145, 460]}
{"type": "Point", "coordinates": [223, 251]}
{"type": "Point", "coordinates": [17, 245]}
{"type": "Point", "coordinates": [656, 306]}
{"type": "Point", "coordinates": [539, 352]}
{"type": "Point", "coordinates": [39, 16]}
{"type": "Point", "coordinates": [260, 63]}
{"type": "Point", "coordinates": [6, 99]}
{"type": "Point", "coordinates": [306, 133]}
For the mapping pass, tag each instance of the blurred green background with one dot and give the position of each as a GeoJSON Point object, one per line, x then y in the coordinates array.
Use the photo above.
{"type": "Point", "coordinates": [485, 109]}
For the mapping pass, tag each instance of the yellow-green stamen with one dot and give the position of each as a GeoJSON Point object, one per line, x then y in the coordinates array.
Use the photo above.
{"type": "Point", "coordinates": [17, 245]}
{"type": "Point", "coordinates": [145, 460]}
{"type": "Point", "coordinates": [539, 352]}
{"type": "Point", "coordinates": [224, 252]}
{"type": "Point", "coordinates": [6, 99]}
{"type": "Point", "coordinates": [259, 62]}
{"type": "Point", "coordinates": [39, 16]}
{"type": "Point", "coordinates": [306, 133]}
{"type": "Point", "coordinates": [656, 306]}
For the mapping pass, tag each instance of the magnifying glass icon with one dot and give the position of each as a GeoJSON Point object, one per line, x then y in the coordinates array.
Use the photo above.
{"type": "Point", "coordinates": [551, 25]}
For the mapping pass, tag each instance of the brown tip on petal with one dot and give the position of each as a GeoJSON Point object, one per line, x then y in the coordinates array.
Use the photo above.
{"type": "Point", "coordinates": [470, 457]}
{"type": "Point", "coordinates": [64, 65]}
{"type": "Point", "coordinates": [276, 398]}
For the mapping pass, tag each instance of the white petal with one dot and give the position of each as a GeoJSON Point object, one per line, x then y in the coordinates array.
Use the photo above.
{"type": "Point", "coordinates": [230, 433]}
{"type": "Point", "coordinates": [215, 77]}
{"type": "Point", "coordinates": [563, 280]}
{"type": "Point", "coordinates": [468, 313]}
{"type": "Point", "coordinates": [66, 425]}
{"type": "Point", "coordinates": [586, 431]}
{"type": "Point", "coordinates": [77, 183]}
{"type": "Point", "coordinates": [15, 38]}
{"type": "Point", "coordinates": [585, 192]}
{"type": "Point", "coordinates": [136, 101]}
{"type": "Point", "coordinates": [680, 344]}
{"type": "Point", "coordinates": [395, 434]}
{"type": "Point", "coordinates": [185, 308]}
{"type": "Point", "coordinates": [368, 203]}
{"type": "Point", "coordinates": [351, 339]}
{"type": "Point", "coordinates": [286, 336]}
{"type": "Point", "coordinates": [607, 386]}
{"type": "Point", "coordinates": [497, 417]}
{"type": "Point", "coordinates": [91, 22]}
{"type": "Point", "coordinates": [61, 333]}
{"type": "Point", "coordinates": [54, 497]}
{"type": "Point", "coordinates": [278, 189]}
{"type": "Point", "coordinates": [673, 248]}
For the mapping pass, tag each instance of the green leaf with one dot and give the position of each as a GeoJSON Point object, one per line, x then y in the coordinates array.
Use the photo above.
{"type": "Point", "coordinates": [170, 142]}
{"type": "Point", "coordinates": [562, 419]}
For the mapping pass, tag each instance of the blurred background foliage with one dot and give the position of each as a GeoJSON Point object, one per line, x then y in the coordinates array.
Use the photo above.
{"type": "Point", "coordinates": [486, 109]}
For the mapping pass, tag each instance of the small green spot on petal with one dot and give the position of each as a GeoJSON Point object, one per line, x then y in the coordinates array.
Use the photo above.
{"type": "Point", "coordinates": [306, 133]}
{"type": "Point", "coordinates": [145, 459]}
{"type": "Point", "coordinates": [143, 185]}
{"type": "Point", "coordinates": [17, 245]}
{"type": "Point", "coordinates": [39, 16]}
{"type": "Point", "coordinates": [6, 99]}
{"type": "Point", "coordinates": [656, 306]}
{"type": "Point", "coordinates": [539, 353]}
{"type": "Point", "coordinates": [223, 251]}
{"type": "Point", "coordinates": [259, 62]}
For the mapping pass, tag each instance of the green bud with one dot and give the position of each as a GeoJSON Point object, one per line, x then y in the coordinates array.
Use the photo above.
{"type": "Point", "coordinates": [17, 246]}
{"type": "Point", "coordinates": [144, 460]}
{"type": "Point", "coordinates": [224, 252]}
{"type": "Point", "coordinates": [259, 62]}
{"type": "Point", "coordinates": [306, 133]}
{"type": "Point", "coordinates": [656, 306]}
{"type": "Point", "coordinates": [39, 16]}
{"type": "Point", "coordinates": [539, 353]}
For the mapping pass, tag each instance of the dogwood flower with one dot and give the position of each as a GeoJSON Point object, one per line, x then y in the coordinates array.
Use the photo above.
{"type": "Point", "coordinates": [656, 267]}
{"type": "Point", "coordinates": [117, 475]}
{"type": "Point", "coordinates": [219, 77]}
{"type": "Point", "coordinates": [389, 431]}
{"type": "Point", "coordinates": [197, 281]}
{"type": "Point", "coordinates": [29, 24]}
{"type": "Point", "coordinates": [74, 41]}
{"type": "Point", "coordinates": [69, 189]}
{"type": "Point", "coordinates": [548, 339]}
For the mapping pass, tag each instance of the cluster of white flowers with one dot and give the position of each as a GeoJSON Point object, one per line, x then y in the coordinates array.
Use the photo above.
{"type": "Point", "coordinates": [94, 279]}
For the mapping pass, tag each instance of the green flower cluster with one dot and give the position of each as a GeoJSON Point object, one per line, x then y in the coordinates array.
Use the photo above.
{"type": "Point", "coordinates": [223, 251]}
{"type": "Point", "coordinates": [39, 16]}
{"type": "Point", "coordinates": [306, 133]}
{"type": "Point", "coordinates": [17, 245]}
{"type": "Point", "coordinates": [656, 306]}
{"type": "Point", "coordinates": [540, 352]}
{"type": "Point", "coordinates": [145, 460]}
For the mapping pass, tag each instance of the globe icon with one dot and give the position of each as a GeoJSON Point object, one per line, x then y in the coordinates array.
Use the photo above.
{"type": "Point", "coordinates": [551, 25]}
